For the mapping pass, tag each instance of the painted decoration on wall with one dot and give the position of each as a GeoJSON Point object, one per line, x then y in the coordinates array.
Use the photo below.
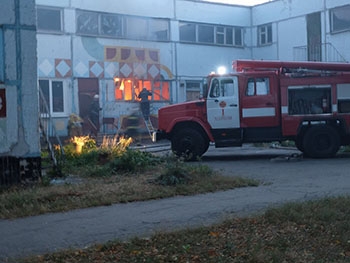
{"type": "Point", "coordinates": [141, 63]}
{"type": "Point", "coordinates": [63, 68]}
{"type": "Point", "coordinates": [131, 54]}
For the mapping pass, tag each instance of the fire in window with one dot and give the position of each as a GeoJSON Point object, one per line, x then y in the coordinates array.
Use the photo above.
{"type": "Point", "coordinates": [129, 89]}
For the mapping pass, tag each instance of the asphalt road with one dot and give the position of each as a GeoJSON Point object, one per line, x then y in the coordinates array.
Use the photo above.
{"type": "Point", "coordinates": [283, 178]}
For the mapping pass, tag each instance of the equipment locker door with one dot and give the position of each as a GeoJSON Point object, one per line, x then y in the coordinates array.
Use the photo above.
{"type": "Point", "coordinates": [259, 101]}
{"type": "Point", "coordinates": [223, 103]}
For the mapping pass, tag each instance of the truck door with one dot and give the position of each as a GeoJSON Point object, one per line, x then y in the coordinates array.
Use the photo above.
{"type": "Point", "coordinates": [259, 101]}
{"type": "Point", "coordinates": [223, 103]}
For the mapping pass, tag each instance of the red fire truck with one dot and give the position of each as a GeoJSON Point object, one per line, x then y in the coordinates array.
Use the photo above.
{"type": "Point", "coordinates": [265, 101]}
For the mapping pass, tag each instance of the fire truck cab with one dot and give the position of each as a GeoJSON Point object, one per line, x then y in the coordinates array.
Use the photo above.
{"type": "Point", "coordinates": [265, 101]}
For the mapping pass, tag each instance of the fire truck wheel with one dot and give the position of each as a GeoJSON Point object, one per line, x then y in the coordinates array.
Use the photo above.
{"type": "Point", "coordinates": [299, 144]}
{"type": "Point", "coordinates": [321, 142]}
{"type": "Point", "coordinates": [189, 144]}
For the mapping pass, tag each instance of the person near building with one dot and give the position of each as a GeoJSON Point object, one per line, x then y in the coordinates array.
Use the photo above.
{"type": "Point", "coordinates": [145, 105]}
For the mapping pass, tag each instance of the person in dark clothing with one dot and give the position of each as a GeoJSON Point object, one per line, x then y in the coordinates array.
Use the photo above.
{"type": "Point", "coordinates": [144, 94]}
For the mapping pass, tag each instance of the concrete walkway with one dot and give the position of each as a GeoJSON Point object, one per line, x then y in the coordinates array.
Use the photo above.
{"type": "Point", "coordinates": [81, 228]}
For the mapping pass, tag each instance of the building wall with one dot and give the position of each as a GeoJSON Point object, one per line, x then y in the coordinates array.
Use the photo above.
{"type": "Point", "coordinates": [19, 132]}
{"type": "Point", "coordinates": [69, 56]}
{"type": "Point", "coordinates": [289, 22]}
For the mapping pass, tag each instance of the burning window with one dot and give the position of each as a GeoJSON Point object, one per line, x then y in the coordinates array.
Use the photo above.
{"type": "Point", "coordinates": [129, 89]}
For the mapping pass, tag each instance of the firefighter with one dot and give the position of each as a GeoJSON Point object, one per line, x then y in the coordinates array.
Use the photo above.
{"type": "Point", "coordinates": [143, 96]}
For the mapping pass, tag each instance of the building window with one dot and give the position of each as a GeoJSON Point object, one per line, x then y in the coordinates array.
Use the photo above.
{"type": "Point", "coordinates": [158, 29]}
{"type": "Point", "coordinates": [340, 19]}
{"type": "Point", "coordinates": [2, 59]}
{"type": "Point", "coordinates": [49, 19]}
{"type": "Point", "coordinates": [136, 28]}
{"type": "Point", "coordinates": [220, 35]}
{"type": "Point", "coordinates": [205, 34]}
{"type": "Point", "coordinates": [265, 35]}
{"type": "Point", "coordinates": [122, 26]}
{"type": "Point", "coordinates": [129, 89]}
{"type": "Point", "coordinates": [111, 25]}
{"type": "Point", "coordinates": [187, 32]}
{"type": "Point", "coordinates": [53, 93]}
{"type": "Point", "coordinates": [210, 34]}
{"type": "Point", "coordinates": [87, 23]}
{"type": "Point", "coordinates": [193, 90]}
{"type": "Point", "coordinates": [238, 37]}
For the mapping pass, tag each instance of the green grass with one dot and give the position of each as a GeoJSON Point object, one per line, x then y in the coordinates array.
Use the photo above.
{"type": "Point", "coordinates": [115, 182]}
{"type": "Point", "coordinates": [317, 231]}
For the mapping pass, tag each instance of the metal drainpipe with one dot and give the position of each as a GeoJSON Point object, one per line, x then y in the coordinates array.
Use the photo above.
{"type": "Point", "coordinates": [324, 29]}
{"type": "Point", "coordinates": [251, 32]}
{"type": "Point", "coordinates": [175, 58]}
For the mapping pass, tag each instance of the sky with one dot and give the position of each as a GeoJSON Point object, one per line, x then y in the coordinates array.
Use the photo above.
{"type": "Point", "coordinates": [240, 2]}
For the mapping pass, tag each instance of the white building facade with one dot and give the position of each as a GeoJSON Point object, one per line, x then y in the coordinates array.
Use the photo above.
{"type": "Point", "coordinates": [114, 48]}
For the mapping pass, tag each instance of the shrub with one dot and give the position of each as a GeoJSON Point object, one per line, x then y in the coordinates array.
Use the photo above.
{"type": "Point", "coordinates": [133, 160]}
{"type": "Point", "coordinates": [176, 172]}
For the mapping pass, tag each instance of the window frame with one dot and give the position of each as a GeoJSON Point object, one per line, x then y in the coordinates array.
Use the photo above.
{"type": "Point", "coordinates": [331, 19]}
{"type": "Point", "coordinates": [265, 32]}
{"type": "Point", "coordinates": [60, 10]}
{"type": "Point", "coordinates": [122, 90]}
{"type": "Point", "coordinates": [79, 31]}
{"type": "Point", "coordinates": [217, 34]}
{"type": "Point", "coordinates": [193, 87]}
{"type": "Point", "coordinates": [119, 32]}
{"type": "Point", "coordinates": [50, 102]}
{"type": "Point", "coordinates": [255, 89]}
{"type": "Point", "coordinates": [124, 31]}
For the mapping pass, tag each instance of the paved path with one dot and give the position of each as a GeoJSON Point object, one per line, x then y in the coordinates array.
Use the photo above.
{"type": "Point", "coordinates": [282, 181]}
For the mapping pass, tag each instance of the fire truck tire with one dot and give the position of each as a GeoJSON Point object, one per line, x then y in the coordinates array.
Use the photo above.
{"type": "Point", "coordinates": [321, 142]}
{"type": "Point", "coordinates": [189, 144]}
{"type": "Point", "coordinates": [299, 144]}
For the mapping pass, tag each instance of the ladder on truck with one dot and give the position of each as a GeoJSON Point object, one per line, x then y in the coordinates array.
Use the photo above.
{"type": "Point", "coordinates": [149, 126]}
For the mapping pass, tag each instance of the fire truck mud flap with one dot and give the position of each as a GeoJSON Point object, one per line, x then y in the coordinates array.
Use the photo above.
{"type": "Point", "coordinates": [321, 142]}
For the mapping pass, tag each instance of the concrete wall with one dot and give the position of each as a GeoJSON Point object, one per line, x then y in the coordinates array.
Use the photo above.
{"type": "Point", "coordinates": [19, 129]}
